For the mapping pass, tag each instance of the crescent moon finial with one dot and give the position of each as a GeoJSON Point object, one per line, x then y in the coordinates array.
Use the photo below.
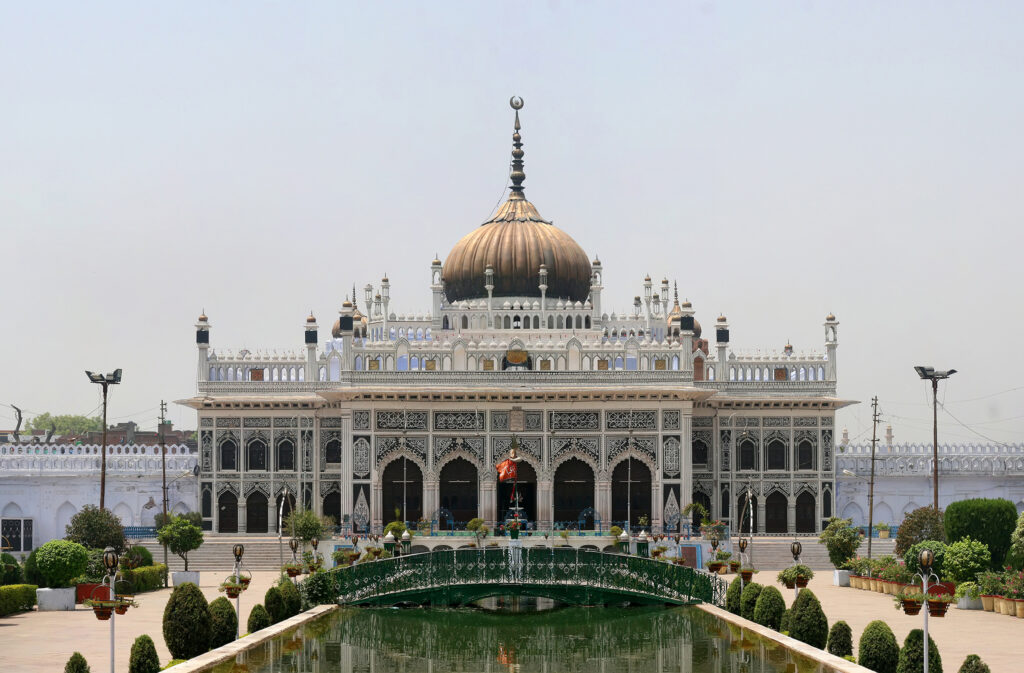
{"type": "Point", "coordinates": [516, 102]}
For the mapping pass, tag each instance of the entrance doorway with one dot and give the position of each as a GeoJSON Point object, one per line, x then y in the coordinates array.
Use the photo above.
{"type": "Point", "coordinates": [631, 485]}
{"type": "Point", "coordinates": [332, 506]}
{"type": "Point", "coordinates": [227, 521]}
{"type": "Point", "coordinates": [775, 506]}
{"type": "Point", "coordinates": [256, 513]}
{"type": "Point", "coordinates": [402, 491]}
{"type": "Point", "coordinates": [458, 491]}
{"type": "Point", "coordinates": [573, 492]}
{"type": "Point", "coordinates": [525, 490]}
{"type": "Point", "coordinates": [805, 516]}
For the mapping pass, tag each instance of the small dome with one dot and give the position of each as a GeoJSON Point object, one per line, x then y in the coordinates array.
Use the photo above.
{"type": "Point", "coordinates": [346, 303]}
{"type": "Point", "coordinates": [202, 317]}
{"type": "Point", "coordinates": [721, 318]}
{"type": "Point", "coordinates": [336, 329]}
{"type": "Point", "coordinates": [830, 317]}
{"type": "Point", "coordinates": [647, 278]}
{"type": "Point", "coordinates": [311, 319]}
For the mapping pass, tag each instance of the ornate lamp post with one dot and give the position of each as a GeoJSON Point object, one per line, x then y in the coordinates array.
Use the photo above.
{"type": "Point", "coordinates": [110, 560]}
{"type": "Point", "coordinates": [624, 542]}
{"type": "Point", "coordinates": [642, 545]}
{"type": "Point", "coordinates": [926, 559]}
{"type": "Point", "coordinates": [238, 550]}
{"type": "Point", "coordinates": [743, 548]}
{"type": "Point", "coordinates": [795, 549]}
{"type": "Point", "coordinates": [389, 542]}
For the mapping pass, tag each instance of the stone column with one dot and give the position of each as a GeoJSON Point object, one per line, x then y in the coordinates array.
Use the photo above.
{"type": "Point", "coordinates": [760, 514]}
{"type": "Point", "coordinates": [487, 494]}
{"type": "Point", "coordinates": [431, 501]}
{"type": "Point", "coordinates": [686, 455]}
{"type": "Point", "coordinates": [604, 500]}
{"type": "Point", "coordinates": [791, 514]}
{"type": "Point", "coordinates": [657, 504]}
{"type": "Point", "coordinates": [545, 504]}
{"type": "Point", "coordinates": [272, 511]}
{"type": "Point", "coordinates": [242, 516]}
{"type": "Point", "coordinates": [376, 505]}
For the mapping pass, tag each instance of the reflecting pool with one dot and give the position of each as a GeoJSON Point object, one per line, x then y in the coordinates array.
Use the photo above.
{"type": "Point", "coordinates": [590, 640]}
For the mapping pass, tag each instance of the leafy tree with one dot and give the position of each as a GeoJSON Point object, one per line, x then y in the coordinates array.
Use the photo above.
{"type": "Point", "coordinates": [187, 622]}
{"type": "Point", "coordinates": [841, 539]}
{"type": "Point", "coordinates": [181, 537]}
{"type": "Point", "coordinates": [769, 608]}
{"type": "Point", "coordinates": [912, 655]}
{"type": "Point", "coordinates": [305, 525]}
{"type": "Point", "coordinates": [60, 561]}
{"type": "Point", "coordinates": [748, 599]}
{"type": "Point", "coordinates": [808, 623]}
{"type": "Point", "coordinates": [988, 520]}
{"type": "Point", "coordinates": [840, 639]}
{"type": "Point", "coordinates": [732, 595]}
{"type": "Point", "coordinates": [195, 518]}
{"type": "Point", "coordinates": [76, 664]}
{"type": "Point", "coordinates": [974, 664]}
{"type": "Point", "coordinates": [878, 649]}
{"type": "Point", "coordinates": [144, 658]}
{"type": "Point", "coordinates": [924, 523]}
{"type": "Point", "coordinates": [223, 622]}
{"type": "Point", "coordinates": [1017, 538]}
{"type": "Point", "coordinates": [965, 559]}
{"type": "Point", "coordinates": [259, 618]}
{"type": "Point", "coordinates": [66, 424]}
{"type": "Point", "coordinates": [396, 528]}
{"type": "Point", "coordinates": [96, 528]}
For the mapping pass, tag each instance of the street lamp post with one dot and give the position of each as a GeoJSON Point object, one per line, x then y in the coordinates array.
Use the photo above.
{"type": "Point", "coordinates": [238, 550]}
{"type": "Point", "coordinates": [105, 381]}
{"type": "Point", "coordinates": [110, 559]}
{"type": "Point", "coordinates": [796, 548]}
{"type": "Point", "coordinates": [930, 374]}
{"type": "Point", "coordinates": [926, 559]}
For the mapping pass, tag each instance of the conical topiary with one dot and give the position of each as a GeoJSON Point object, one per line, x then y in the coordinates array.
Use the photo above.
{"type": "Point", "coordinates": [259, 618]}
{"type": "Point", "coordinates": [840, 639]}
{"type": "Point", "coordinates": [187, 622]}
{"type": "Point", "coordinates": [732, 596]}
{"type": "Point", "coordinates": [76, 664]}
{"type": "Point", "coordinates": [223, 622]}
{"type": "Point", "coordinates": [291, 597]}
{"type": "Point", "coordinates": [274, 603]}
{"type": "Point", "coordinates": [748, 599]}
{"type": "Point", "coordinates": [878, 649]}
{"type": "Point", "coordinates": [808, 622]}
{"type": "Point", "coordinates": [912, 655]}
{"type": "Point", "coordinates": [974, 664]}
{"type": "Point", "coordinates": [144, 658]}
{"type": "Point", "coordinates": [769, 608]}
{"type": "Point", "coordinates": [784, 622]}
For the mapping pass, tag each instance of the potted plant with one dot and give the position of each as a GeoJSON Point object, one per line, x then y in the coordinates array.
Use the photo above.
{"type": "Point", "coordinates": [938, 604]}
{"type": "Point", "coordinates": [293, 568]}
{"type": "Point", "coordinates": [182, 536]}
{"type": "Point", "coordinates": [968, 596]}
{"type": "Point", "coordinates": [747, 572]}
{"type": "Point", "coordinates": [513, 529]}
{"type": "Point", "coordinates": [988, 586]}
{"type": "Point", "coordinates": [102, 608]}
{"type": "Point", "coordinates": [787, 578]}
{"type": "Point", "coordinates": [734, 565]}
{"type": "Point", "coordinates": [714, 565]}
{"type": "Point", "coordinates": [232, 587]}
{"type": "Point", "coordinates": [883, 530]}
{"type": "Point", "coordinates": [910, 602]}
{"type": "Point", "coordinates": [59, 562]}
{"type": "Point", "coordinates": [801, 574]}
{"type": "Point", "coordinates": [121, 604]}
{"type": "Point", "coordinates": [841, 540]}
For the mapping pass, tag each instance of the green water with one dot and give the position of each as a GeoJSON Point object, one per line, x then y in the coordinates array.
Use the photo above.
{"type": "Point", "coordinates": [588, 640]}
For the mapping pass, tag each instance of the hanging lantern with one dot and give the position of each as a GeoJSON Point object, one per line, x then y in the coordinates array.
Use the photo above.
{"type": "Point", "coordinates": [110, 559]}
{"type": "Point", "coordinates": [743, 545]}
{"type": "Point", "coordinates": [796, 548]}
{"type": "Point", "coordinates": [714, 543]}
{"type": "Point", "coordinates": [293, 544]}
{"type": "Point", "coordinates": [238, 550]}
{"type": "Point", "coordinates": [315, 542]}
{"type": "Point", "coordinates": [927, 558]}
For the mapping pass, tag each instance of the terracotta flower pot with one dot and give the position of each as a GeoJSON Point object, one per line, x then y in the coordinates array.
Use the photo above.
{"type": "Point", "coordinates": [233, 592]}
{"type": "Point", "coordinates": [293, 572]}
{"type": "Point", "coordinates": [801, 582]}
{"type": "Point", "coordinates": [911, 607]}
{"type": "Point", "coordinates": [937, 609]}
{"type": "Point", "coordinates": [102, 613]}
{"type": "Point", "coordinates": [746, 575]}
{"type": "Point", "coordinates": [121, 609]}
{"type": "Point", "coordinates": [1019, 605]}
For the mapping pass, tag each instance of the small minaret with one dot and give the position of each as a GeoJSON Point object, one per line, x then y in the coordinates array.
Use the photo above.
{"type": "Point", "coordinates": [437, 290]}
{"type": "Point", "coordinates": [648, 290]}
{"type": "Point", "coordinates": [311, 335]}
{"type": "Point", "coordinates": [722, 342]}
{"type": "Point", "coordinates": [888, 438]}
{"type": "Point", "coordinates": [831, 341]}
{"type": "Point", "coordinates": [203, 345]}
{"type": "Point", "coordinates": [664, 296]}
{"type": "Point", "coordinates": [385, 289]}
{"type": "Point", "coordinates": [489, 286]}
{"type": "Point", "coordinates": [543, 286]}
{"type": "Point", "coordinates": [368, 293]}
{"type": "Point", "coordinates": [636, 307]}
{"type": "Point", "coordinates": [686, 329]}
{"type": "Point", "coordinates": [596, 277]}
{"type": "Point", "coordinates": [345, 325]}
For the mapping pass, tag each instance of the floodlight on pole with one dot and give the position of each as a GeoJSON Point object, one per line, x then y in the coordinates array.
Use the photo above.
{"type": "Point", "coordinates": [933, 375]}
{"type": "Point", "coordinates": [104, 381]}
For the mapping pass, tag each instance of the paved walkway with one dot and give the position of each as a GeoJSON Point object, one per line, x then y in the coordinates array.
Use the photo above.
{"type": "Point", "coordinates": [995, 638]}
{"type": "Point", "coordinates": [38, 642]}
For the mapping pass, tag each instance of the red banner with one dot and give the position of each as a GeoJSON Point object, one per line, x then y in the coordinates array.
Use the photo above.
{"type": "Point", "coordinates": [506, 470]}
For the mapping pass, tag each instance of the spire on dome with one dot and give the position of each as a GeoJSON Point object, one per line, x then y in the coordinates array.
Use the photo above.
{"type": "Point", "coordinates": [517, 152]}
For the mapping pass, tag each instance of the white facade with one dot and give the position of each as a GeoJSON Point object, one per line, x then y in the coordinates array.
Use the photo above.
{"type": "Point", "coordinates": [903, 478]}
{"type": "Point", "coordinates": [43, 485]}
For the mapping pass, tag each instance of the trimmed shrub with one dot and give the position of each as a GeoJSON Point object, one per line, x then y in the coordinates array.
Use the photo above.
{"type": "Point", "coordinates": [732, 596]}
{"type": "Point", "coordinates": [96, 528]}
{"type": "Point", "coordinates": [10, 571]}
{"type": "Point", "coordinates": [306, 525]}
{"type": "Point", "coordinates": [146, 578]}
{"type": "Point", "coordinates": [878, 649]}
{"type": "Point", "coordinates": [808, 623]}
{"type": "Point", "coordinates": [290, 596]}
{"type": "Point", "coordinates": [910, 559]}
{"type": "Point", "coordinates": [924, 523]}
{"type": "Point", "coordinates": [144, 658]}
{"type": "Point", "coordinates": [784, 622]}
{"type": "Point", "coordinates": [841, 539]}
{"type": "Point", "coordinates": [136, 557]}
{"type": "Point", "coordinates": [1017, 538]}
{"type": "Point", "coordinates": [187, 622]}
{"type": "Point", "coordinates": [974, 664]}
{"type": "Point", "coordinates": [748, 599]}
{"type": "Point", "coordinates": [17, 598]}
{"type": "Point", "coordinates": [60, 561]}
{"type": "Point", "coordinates": [259, 618]}
{"type": "Point", "coordinates": [77, 664]}
{"type": "Point", "coordinates": [94, 571]}
{"type": "Point", "coordinates": [275, 605]}
{"type": "Point", "coordinates": [769, 608]}
{"type": "Point", "coordinates": [988, 520]}
{"type": "Point", "coordinates": [965, 559]}
{"type": "Point", "coordinates": [319, 589]}
{"type": "Point", "coordinates": [840, 639]}
{"type": "Point", "coordinates": [31, 571]}
{"type": "Point", "coordinates": [223, 622]}
{"type": "Point", "coordinates": [912, 655]}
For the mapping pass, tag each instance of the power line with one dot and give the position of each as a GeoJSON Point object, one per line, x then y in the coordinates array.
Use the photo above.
{"type": "Point", "coordinates": [969, 428]}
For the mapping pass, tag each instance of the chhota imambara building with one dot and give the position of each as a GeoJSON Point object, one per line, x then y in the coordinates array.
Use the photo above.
{"type": "Point", "coordinates": [615, 416]}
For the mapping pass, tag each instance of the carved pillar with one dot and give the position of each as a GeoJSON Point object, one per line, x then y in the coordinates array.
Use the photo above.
{"type": "Point", "coordinates": [685, 455]}
{"type": "Point", "coordinates": [487, 501]}
{"type": "Point", "coordinates": [376, 505]}
{"type": "Point", "coordinates": [603, 500]}
{"type": "Point", "coordinates": [791, 514]}
{"type": "Point", "coordinates": [242, 516]}
{"type": "Point", "coordinates": [545, 504]}
{"type": "Point", "coordinates": [430, 495]}
{"type": "Point", "coordinates": [760, 513]}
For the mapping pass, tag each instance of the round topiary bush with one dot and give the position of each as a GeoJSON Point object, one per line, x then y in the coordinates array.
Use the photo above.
{"type": "Point", "coordinates": [60, 561]}
{"type": "Point", "coordinates": [965, 559]}
{"type": "Point", "coordinates": [259, 618]}
{"type": "Point", "coordinates": [878, 649]}
{"type": "Point", "coordinates": [784, 622]}
{"type": "Point", "coordinates": [143, 657]}
{"type": "Point", "coordinates": [808, 623]}
{"type": "Point", "coordinates": [275, 605]}
{"type": "Point", "coordinates": [924, 523]}
{"type": "Point", "coordinates": [10, 571]}
{"type": "Point", "coordinates": [732, 596]}
{"type": "Point", "coordinates": [989, 520]}
{"type": "Point", "coordinates": [769, 608]}
{"type": "Point", "coordinates": [76, 664]}
{"type": "Point", "coordinates": [840, 639]}
{"type": "Point", "coordinates": [748, 599]}
{"type": "Point", "coordinates": [974, 664]}
{"type": "Point", "coordinates": [911, 658]}
{"type": "Point", "coordinates": [96, 528]}
{"type": "Point", "coordinates": [187, 622]}
{"type": "Point", "coordinates": [223, 622]}
{"type": "Point", "coordinates": [291, 598]}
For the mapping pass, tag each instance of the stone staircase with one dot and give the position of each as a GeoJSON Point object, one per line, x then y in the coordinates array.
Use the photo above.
{"type": "Point", "coordinates": [773, 553]}
{"type": "Point", "coordinates": [261, 553]}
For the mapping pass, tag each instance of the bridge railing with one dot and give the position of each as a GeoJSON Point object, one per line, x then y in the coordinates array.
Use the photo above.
{"type": "Point", "coordinates": [575, 573]}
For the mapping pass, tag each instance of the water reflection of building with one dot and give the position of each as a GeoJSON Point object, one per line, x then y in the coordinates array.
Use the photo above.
{"type": "Point", "coordinates": [409, 413]}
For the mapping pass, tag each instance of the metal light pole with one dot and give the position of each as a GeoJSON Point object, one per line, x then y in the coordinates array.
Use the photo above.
{"type": "Point", "coordinates": [930, 374]}
{"type": "Point", "coordinates": [743, 548]}
{"type": "Point", "coordinates": [629, 476]}
{"type": "Point", "coordinates": [926, 559]}
{"type": "Point", "coordinates": [110, 559]}
{"type": "Point", "coordinates": [104, 380]}
{"type": "Point", "coordinates": [238, 550]}
{"type": "Point", "coordinates": [163, 473]}
{"type": "Point", "coordinates": [796, 548]}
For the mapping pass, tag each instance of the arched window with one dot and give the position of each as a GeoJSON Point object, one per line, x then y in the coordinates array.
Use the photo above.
{"type": "Point", "coordinates": [256, 455]}
{"type": "Point", "coordinates": [551, 322]}
{"type": "Point", "coordinates": [228, 455]}
{"type": "Point", "coordinates": [536, 322]}
{"type": "Point", "coordinates": [207, 504]}
{"type": "Point", "coordinates": [286, 455]}
{"type": "Point", "coordinates": [776, 454]}
{"type": "Point", "coordinates": [618, 362]}
{"type": "Point", "coordinates": [333, 452]}
{"type": "Point", "coordinates": [805, 455]}
{"type": "Point", "coordinates": [748, 454]}
{"type": "Point", "coordinates": [700, 453]}
{"type": "Point", "coordinates": [444, 323]}
{"type": "Point", "coordinates": [465, 322]}
{"type": "Point", "coordinates": [725, 504]}
{"type": "Point", "coordinates": [507, 322]}
{"type": "Point", "coordinates": [561, 322]}
{"type": "Point", "coordinates": [586, 322]}
{"type": "Point", "coordinates": [517, 323]}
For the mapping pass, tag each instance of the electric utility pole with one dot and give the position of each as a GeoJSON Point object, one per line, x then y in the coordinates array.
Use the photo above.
{"type": "Point", "coordinates": [163, 470]}
{"type": "Point", "coordinates": [871, 484]}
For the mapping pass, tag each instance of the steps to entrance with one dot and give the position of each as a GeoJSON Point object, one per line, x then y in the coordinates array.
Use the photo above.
{"type": "Point", "coordinates": [773, 553]}
{"type": "Point", "coordinates": [261, 553]}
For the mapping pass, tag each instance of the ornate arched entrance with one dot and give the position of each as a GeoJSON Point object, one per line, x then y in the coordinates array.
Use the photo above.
{"type": "Point", "coordinates": [775, 506]}
{"type": "Point", "coordinates": [805, 516]}
{"type": "Point", "coordinates": [256, 513]}
{"type": "Point", "coordinates": [573, 491]}
{"type": "Point", "coordinates": [526, 493]}
{"type": "Point", "coordinates": [402, 491]}
{"type": "Point", "coordinates": [332, 506]}
{"type": "Point", "coordinates": [227, 506]}
{"type": "Point", "coordinates": [631, 485]}
{"type": "Point", "coordinates": [457, 489]}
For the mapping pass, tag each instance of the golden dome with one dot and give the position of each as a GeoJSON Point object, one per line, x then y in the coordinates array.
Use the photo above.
{"type": "Point", "coordinates": [311, 319]}
{"type": "Point", "coordinates": [721, 318]}
{"type": "Point", "coordinates": [202, 317]}
{"type": "Point", "coordinates": [830, 317]}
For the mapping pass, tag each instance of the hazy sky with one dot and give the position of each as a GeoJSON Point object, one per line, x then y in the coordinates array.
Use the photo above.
{"type": "Point", "coordinates": [781, 160]}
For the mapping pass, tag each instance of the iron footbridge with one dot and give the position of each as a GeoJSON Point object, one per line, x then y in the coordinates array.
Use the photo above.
{"type": "Point", "coordinates": [458, 576]}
